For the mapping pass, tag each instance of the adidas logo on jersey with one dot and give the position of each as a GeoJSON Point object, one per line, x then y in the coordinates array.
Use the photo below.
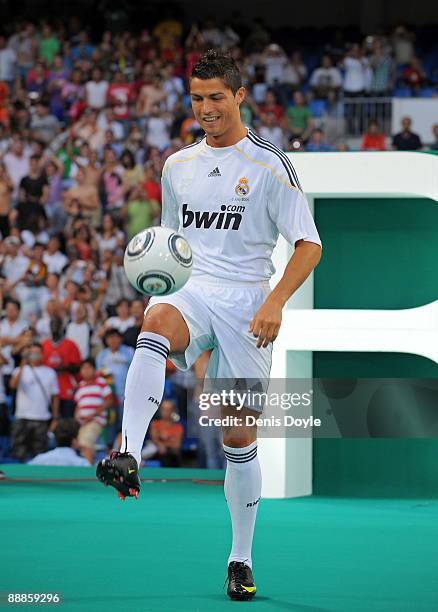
{"type": "Point", "coordinates": [213, 220]}
{"type": "Point", "coordinates": [215, 172]}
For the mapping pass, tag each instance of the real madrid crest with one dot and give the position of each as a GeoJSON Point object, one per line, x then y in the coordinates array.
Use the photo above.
{"type": "Point", "coordinates": [242, 187]}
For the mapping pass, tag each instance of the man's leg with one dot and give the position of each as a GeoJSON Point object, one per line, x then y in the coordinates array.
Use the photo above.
{"type": "Point", "coordinates": [242, 487]}
{"type": "Point", "coordinates": [38, 437]}
{"type": "Point", "coordinates": [243, 483]}
{"type": "Point", "coordinates": [19, 435]}
{"type": "Point", "coordinates": [178, 324]}
{"type": "Point", "coordinates": [164, 330]}
{"type": "Point", "coordinates": [87, 438]}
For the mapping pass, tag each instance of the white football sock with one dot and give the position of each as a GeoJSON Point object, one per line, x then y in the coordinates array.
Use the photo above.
{"type": "Point", "coordinates": [242, 487]}
{"type": "Point", "coordinates": [144, 390]}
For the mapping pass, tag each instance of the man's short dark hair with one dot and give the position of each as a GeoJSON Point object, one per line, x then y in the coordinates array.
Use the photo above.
{"type": "Point", "coordinates": [66, 431]}
{"type": "Point", "coordinates": [215, 64]}
{"type": "Point", "coordinates": [90, 362]}
{"type": "Point", "coordinates": [112, 331]}
{"type": "Point", "coordinates": [15, 302]}
{"type": "Point", "coordinates": [123, 300]}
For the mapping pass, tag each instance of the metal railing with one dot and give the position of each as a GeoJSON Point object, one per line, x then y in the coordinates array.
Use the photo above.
{"type": "Point", "coordinates": [358, 112]}
{"type": "Point", "coordinates": [349, 117]}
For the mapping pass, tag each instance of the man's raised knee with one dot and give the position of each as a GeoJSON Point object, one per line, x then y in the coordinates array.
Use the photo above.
{"type": "Point", "coordinates": [167, 321]}
{"type": "Point", "coordinates": [239, 439]}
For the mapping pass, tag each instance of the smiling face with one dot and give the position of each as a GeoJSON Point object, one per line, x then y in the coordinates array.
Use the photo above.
{"type": "Point", "coordinates": [216, 109]}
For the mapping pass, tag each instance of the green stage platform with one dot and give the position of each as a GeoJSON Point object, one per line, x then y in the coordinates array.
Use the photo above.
{"type": "Point", "coordinates": [62, 531]}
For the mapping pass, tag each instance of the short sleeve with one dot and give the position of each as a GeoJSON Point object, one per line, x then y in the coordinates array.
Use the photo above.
{"type": "Point", "coordinates": [289, 211]}
{"type": "Point", "coordinates": [99, 359]}
{"type": "Point", "coordinates": [54, 387]}
{"type": "Point", "coordinates": [169, 214]}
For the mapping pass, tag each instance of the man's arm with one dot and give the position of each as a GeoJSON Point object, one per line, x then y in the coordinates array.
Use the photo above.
{"type": "Point", "coordinates": [55, 407]}
{"type": "Point", "coordinates": [139, 105]}
{"type": "Point", "coordinates": [44, 194]}
{"type": "Point", "coordinates": [9, 340]}
{"type": "Point", "coordinates": [105, 406]}
{"type": "Point", "coordinates": [309, 127]}
{"type": "Point", "coordinates": [266, 322]}
{"type": "Point", "coordinates": [16, 376]}
{"type": "Point", "coordinates": [107, 403]}
{"type": "Point", "coordinates": [55, 412]}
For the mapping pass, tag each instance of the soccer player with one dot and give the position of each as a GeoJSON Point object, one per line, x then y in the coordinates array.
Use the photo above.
{"type": "Point", "coordinates": [230, 195]}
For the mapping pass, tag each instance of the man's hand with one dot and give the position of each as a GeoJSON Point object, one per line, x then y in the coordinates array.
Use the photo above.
{"type": "Point", "coordinates": [53, 424]}
{"type": "Point", "coordinates": [266, 322]}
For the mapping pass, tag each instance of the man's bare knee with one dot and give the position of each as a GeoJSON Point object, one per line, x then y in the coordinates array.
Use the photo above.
{"type": "Point", "coordinates": [238, 441]}
{"type": "Point", "coordinates": [167, 321]}
{"type": "Point", "coordinates": [243, 434]}
{"type": "Point", "coordinates": [239, 436]}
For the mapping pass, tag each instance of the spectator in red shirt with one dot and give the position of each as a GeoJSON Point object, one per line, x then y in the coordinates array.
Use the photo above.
{"type": "Point", "coordinates": [373, 139]}
{"type": "Point", "coordinates": [4, 93]}
{"type": "Point", "coordinates": [120, 96]}
{"type": "Point", "coordinates": [93, 398]}
{"type": "Point", "coordinates": [413, 75]}
{"type": "Point", "coordinates": [145, 78]}
{"type": "Point", "coordinates": [167, 435]}
{"type": "Point", "coordinates": [145, 45]}
{"type": "Point", "coordinates": [64, 357]}
{"type": "Point", "coordinates": [151, 186]}
{"type": "Point", "coordinates": [37, 78]}
{"type": "Point", "coordinates": [270, 106]}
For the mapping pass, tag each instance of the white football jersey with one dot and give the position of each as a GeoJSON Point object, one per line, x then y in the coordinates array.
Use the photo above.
{"type": "Point", "coordinates": [231, 203]}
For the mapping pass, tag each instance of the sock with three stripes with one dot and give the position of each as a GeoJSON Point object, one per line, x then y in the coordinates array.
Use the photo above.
{"type": "Point", "coordinates": [242, 487]}
{"type": "Point", "coordinates": [144, 390]}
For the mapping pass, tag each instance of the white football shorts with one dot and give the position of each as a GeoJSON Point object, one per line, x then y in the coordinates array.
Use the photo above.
{"type": "Point", "coordinates": [218, 314]}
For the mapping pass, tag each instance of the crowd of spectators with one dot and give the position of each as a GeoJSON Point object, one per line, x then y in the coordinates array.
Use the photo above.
{"type": "Point", "coordinates": [85, 128]}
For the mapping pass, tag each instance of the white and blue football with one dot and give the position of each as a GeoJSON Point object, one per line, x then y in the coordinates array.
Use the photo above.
{"type": "Point", "coordinates": [158, 261]}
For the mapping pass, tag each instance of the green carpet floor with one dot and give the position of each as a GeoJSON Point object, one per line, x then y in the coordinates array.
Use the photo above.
{"type": "Point", "coordinates": [168, 550]}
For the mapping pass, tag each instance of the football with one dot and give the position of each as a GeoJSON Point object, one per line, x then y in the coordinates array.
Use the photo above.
{"type": "Point", "coordinates": [158, 261]}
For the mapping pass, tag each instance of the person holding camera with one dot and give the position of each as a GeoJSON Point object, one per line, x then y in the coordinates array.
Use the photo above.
{"type": "Point", "coordinates": [36, 405]}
